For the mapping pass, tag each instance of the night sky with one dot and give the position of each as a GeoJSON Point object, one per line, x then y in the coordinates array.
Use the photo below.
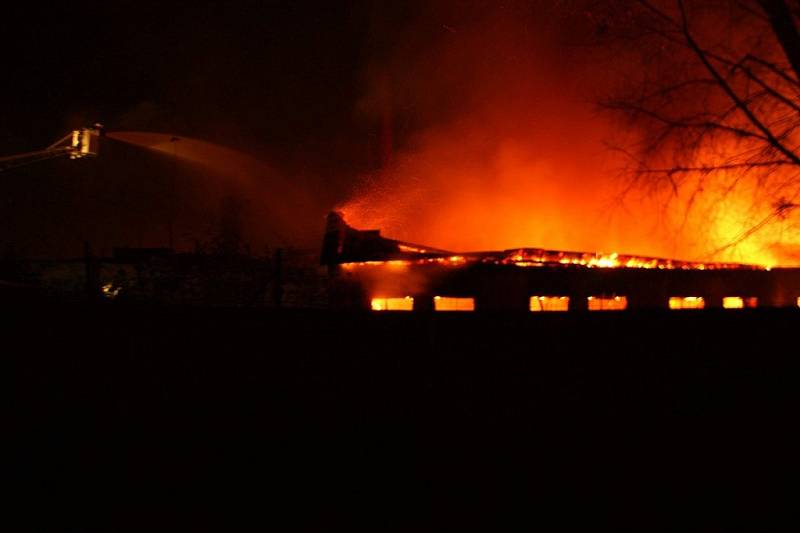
{"type": "Point", "coordinates": [264, 76]}
{"type": "Point", "coordinates": [258, 73]}
{"type": "Point", "coordinates": [278, 80]}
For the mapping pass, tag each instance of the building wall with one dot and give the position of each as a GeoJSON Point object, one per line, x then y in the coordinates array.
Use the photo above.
{"type": "Point", "coordinates": [509, 288]}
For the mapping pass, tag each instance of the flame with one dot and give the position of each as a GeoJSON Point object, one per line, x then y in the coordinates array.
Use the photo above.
{"type": "Point", "coordinates": [539, 258]}
{"type": "Point", "coordinates": [711, 231]}
{"type": "Point", "coordinates": [519, 161]}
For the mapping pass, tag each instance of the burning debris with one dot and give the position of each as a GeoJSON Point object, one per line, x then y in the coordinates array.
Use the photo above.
{"type": "Point", "coordinates": [352, 248]}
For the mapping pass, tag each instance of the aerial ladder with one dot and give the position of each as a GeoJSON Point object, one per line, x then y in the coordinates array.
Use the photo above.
{"type": "Point", "coordinates": [75, 145]}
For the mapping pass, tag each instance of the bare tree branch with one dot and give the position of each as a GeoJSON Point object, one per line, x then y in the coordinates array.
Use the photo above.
{"type": "Point", "coordinates": [685, 123]}
{"type": "Point", "coordinates": [770, 137]}
{"type": "Point", "coordinates": [771, 66]}
{"type": "Point", "coordinates": [715, 168]}
{"type": "Point", "coordinates": [719, 104]}
{"type": "Point", "coordinates": [782, 23]}
{"type": "Point", "coordinates": [780, 210]}
{"type": "Point", "coordinates": [767, 88]}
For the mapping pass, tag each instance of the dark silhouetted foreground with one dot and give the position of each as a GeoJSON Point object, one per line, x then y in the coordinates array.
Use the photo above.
{"type": "Point", "coordinates": [211, 419]}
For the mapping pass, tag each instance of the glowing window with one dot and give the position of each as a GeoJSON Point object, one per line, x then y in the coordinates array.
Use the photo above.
{"type": "Point", "coordinates": [687, 302]}
{"type": "Point", "coordinates": [393, 304]}
{"type": "Point", "coordinates": [737, 302]}
{"type": "Point", "coordinates": [549, 303]}
{"type": "Point", "coordinates": [449, 303]}
{"type": "Point", "coordinates": [733, 302]}
{"type": "Point", "coordinates": [607, 303]}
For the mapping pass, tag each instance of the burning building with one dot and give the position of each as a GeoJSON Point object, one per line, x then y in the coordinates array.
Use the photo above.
{"type": "Point", "coordinates": [382, 274]}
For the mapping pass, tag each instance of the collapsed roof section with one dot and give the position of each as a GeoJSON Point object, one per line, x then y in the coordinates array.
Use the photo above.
{"type": "Point", "coordinates": [343, 245]}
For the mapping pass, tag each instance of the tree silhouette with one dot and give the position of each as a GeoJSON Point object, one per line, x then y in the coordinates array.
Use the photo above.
{"type": "Point", "coordinates": [715, 96]}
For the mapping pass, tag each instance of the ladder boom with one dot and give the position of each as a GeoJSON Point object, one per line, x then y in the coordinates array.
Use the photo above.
{"type": "Point", "coordinates": [75, 145]}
